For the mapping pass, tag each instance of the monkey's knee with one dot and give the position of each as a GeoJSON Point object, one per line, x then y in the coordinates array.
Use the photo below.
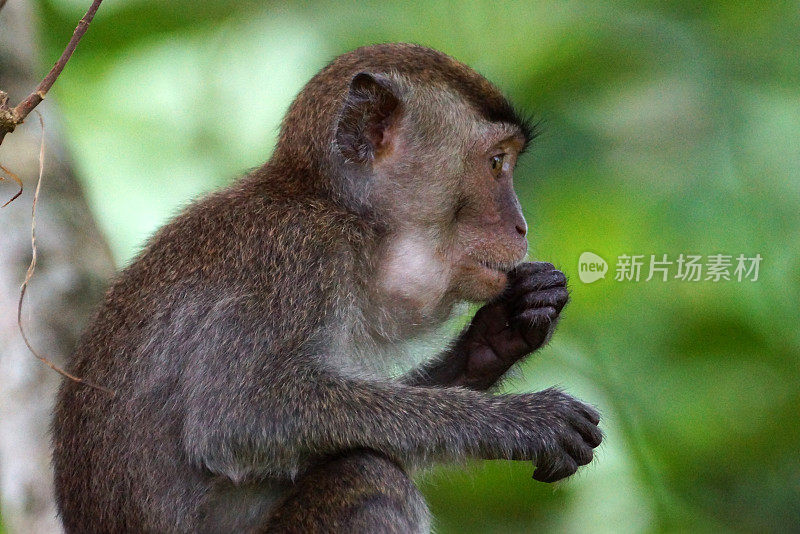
{"type": "Point", "coordinates": [361, 492]}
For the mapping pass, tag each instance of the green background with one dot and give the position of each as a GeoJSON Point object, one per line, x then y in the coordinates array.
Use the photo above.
{"type": "Point", "coordinates": [669, 127]}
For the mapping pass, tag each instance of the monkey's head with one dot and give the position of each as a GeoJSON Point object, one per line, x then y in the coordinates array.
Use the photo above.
{"type": "Point", "coordinates": [426, 147]}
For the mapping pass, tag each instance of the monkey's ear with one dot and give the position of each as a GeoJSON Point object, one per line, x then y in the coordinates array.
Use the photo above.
{"type": "Point", "coordinates": [370, 110]}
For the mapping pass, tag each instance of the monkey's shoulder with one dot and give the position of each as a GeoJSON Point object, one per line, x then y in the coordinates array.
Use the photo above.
{"type": "Point", "coordinates": [234, 255]}
{"type": "Point", "coordinates": [236, 238]}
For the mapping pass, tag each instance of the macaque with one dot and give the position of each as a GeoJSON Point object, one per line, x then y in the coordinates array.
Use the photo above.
{"type": "Point", "coordinates": [249, 345]}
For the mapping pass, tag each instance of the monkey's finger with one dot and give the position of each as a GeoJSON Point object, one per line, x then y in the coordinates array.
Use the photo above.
{"type": "Point", "coordinates": [536, 316]}
{"type": "Point", "coordinates": [556, 298]}
{"type": "Point", "coordinates": [558, 466]}
{"type": "Point", "coordinates": [578, 449]}
{"type": "Point", "coordinates": [530, 267]}
{"type": "Point", "coordinates": [526, 271]}
{"type": "Point", "coordinates": [537, 282]}
{"type": "Point", "coordinates": [534, 325]}
{"type": "Point", "coordinates": [584, 420]}
{"type": "Point", "coordinates": [589, 412]}
{"type": "Point", "coordinates": [589, 432]}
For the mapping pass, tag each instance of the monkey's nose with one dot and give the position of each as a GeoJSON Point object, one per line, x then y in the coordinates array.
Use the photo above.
{"type": "Point", "coordinates": [522, 229]}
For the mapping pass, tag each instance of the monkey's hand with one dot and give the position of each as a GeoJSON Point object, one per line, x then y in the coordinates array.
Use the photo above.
{"type": "Point", "coordinates": [502, 332]}
{"type": "Point", "coordinates": [561, 430]}
{"type": "Point", "coordinates": [513, 325]}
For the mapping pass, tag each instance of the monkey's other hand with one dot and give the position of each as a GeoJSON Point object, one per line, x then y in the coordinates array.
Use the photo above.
{"type": "Point", "coordinates": [514, 324]}
{"type": "Point", "coordinates": [561, 432]}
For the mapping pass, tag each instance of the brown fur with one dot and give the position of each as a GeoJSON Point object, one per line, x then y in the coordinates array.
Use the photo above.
{"type": "Point", "coordinates": [240, 342]}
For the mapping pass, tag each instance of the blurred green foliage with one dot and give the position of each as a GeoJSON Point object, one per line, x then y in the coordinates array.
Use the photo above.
{"type": "Point", "coordinates": [669, 127]}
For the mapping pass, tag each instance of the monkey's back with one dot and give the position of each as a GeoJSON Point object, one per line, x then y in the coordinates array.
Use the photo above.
{"type": "Point", "coordinates": [179, 318]}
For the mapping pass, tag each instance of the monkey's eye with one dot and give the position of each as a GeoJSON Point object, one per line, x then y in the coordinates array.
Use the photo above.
{"type": "Point", "coordinates": [497, 164]}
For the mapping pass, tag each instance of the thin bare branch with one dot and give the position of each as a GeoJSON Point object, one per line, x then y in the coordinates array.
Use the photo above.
{"type": "Point", "coordinates": [33, 99]}
{"type": "Point", "coordinates": [10, 118]}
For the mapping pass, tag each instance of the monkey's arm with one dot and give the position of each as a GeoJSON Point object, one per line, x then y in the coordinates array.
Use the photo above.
{"type": "Point", "coordinates": [242, 431]}
{"type": "Point", "coordinates": [502, 332]}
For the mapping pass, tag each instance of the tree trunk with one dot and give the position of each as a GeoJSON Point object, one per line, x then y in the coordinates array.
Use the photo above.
{"type": "Point", "coordinates": [74, 264]}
